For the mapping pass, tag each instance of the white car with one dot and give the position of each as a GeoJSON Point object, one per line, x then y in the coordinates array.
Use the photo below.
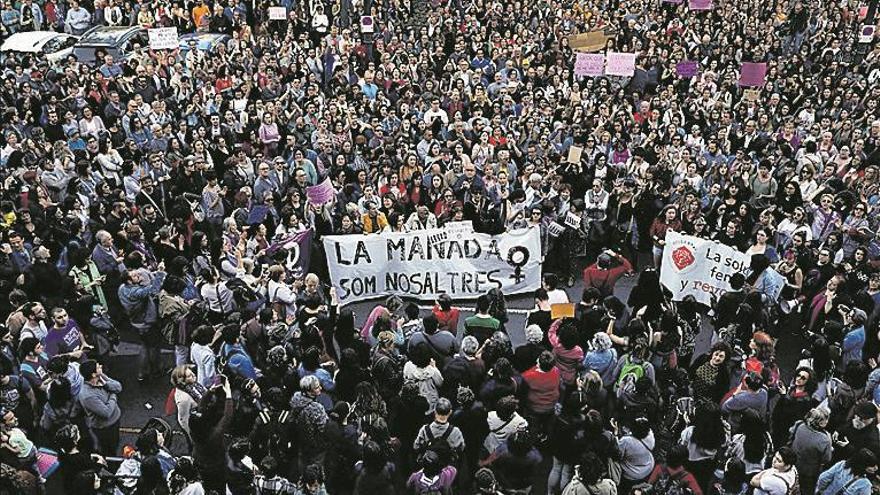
{"type": "Point", "coordinates": [54, 46]}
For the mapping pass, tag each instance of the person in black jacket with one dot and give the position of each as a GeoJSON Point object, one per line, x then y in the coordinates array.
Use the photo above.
{"type": "Point", "coordinates": [567, 437]}
{"type": "Point", "coordinates": [728, 303]}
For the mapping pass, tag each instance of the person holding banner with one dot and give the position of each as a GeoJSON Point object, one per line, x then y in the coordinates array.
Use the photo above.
{"type": "Point", "coordinates": [667, 220]}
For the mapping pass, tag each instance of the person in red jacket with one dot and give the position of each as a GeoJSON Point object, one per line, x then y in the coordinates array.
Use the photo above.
{"type": "Point", "coordinates": [543, 383]}
{"type": "Point", "coordinates": [604, 273]}
{"type": "Point", "coordinates": [447, 316]}
{"type": "Point", "coordinates": [674, 473]}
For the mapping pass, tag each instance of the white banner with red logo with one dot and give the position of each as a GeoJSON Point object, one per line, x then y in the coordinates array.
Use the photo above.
{"type": "Point", "coordinates": [697, 267]}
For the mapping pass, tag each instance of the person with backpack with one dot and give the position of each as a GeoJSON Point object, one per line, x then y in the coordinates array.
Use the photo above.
{"type": "Point", "coordinates": [279, 295]}
{"type": "Point", "coordinates": [503, 422]}
{"type": "Point", "coordinates": [138, 296]}
{"type": "Point", "coordinates": [516, 462]}
{"type": "Point", "coordinates": [422, 369]}
{"type": "Point", "coordinates": [235, 362]}
{"type": "Point", "coordinates": [441, 436]}
{"type": "Point", "coordinates": [671, 477]}
{"type": "Point", "coordinates": [781, 478]}
{"type": "Point", "coordinates": [434, 478]}
{"type": "Point", "coordinates": [309, 420]}
{"type": "Point", "coordinates": [589, 478]}
{"type": "Point", "coordinates": [636, 448]}
{"type": "Point", "coordinates": [849, 477]}
{"type": "Point", "coordinates": [812, 442]}
{"type": "Point", "coordinates": [632, 366]}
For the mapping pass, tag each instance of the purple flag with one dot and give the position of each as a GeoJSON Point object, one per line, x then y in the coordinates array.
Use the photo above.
{"type": "Point", "coordinates": [321, 193]}
{"type": "Point", "coordinates": [687, 68]}
{"type": "Point", "coordinates": [298, 247]}
{"type": "Point", "coordinates": [752, 74]}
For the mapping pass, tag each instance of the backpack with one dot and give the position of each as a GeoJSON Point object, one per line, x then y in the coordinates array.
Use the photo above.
{"type": "Point", "coordinates": [629, 375]}
{"type": "Point", "coordinates": [247, 300]}
{"type": "Point", "coordinates": [439, 445]}
{"type": "Point", "coordinates": [274, 437]}
{"type": "Point", "coordinates": [793, 488]}
{"type": "Point", "coordinates": [671, 484]}
{"type": "Point", "coordinates": [223, 359]}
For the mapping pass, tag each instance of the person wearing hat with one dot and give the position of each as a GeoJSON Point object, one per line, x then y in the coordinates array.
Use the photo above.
{"type": "Point", "coordinates": [99, 399]}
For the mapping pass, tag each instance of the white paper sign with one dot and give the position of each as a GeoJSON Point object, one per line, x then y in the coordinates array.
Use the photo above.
{"type": "Point", "coordinates": [620, 64]}
{"type": "Point", "coordinates": [277, 13]}
{"type": "Point", "coordinates": [367, 24]}
{"type": "Point", "coordinates": [425, 263]}
{"type": "Point", "coordinates": [163, 38]}
{"type": "Point", "coordinates": [572, 221]}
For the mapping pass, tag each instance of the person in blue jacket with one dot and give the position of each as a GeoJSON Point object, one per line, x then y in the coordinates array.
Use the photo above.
{"type": "Point", "coordinates": [849, 477]}
{"type": "Point", "coordinates": [238, 361]}
{"type": "Point", "coordinates": [854, 340]}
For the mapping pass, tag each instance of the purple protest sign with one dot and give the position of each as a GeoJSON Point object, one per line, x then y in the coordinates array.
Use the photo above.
{"type": "Point", "coordinates": [589, 64]}
{"type": "Point", "coordinates": [322, 193]}
{"type": "Point", "coordinates": [700, 4]}
{"type": "Point", "coordinates": [687, 68]}
{"type": "Point", "coordinates": [677, 2]}
{"type": "Point", "coordinates": [752, 74]}
{"type": "Point", "coordinates": [298, 246]}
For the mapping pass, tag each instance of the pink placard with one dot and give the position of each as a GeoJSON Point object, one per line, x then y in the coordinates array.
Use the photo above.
{"type": "Point", "coordinates": [752, 74]}
{"type": "Point", "coordinates": [620, 64]}
{"type": "Point", "coordinates": [700, 4]}
{"type": "Point", "coordinates": [589, 64]}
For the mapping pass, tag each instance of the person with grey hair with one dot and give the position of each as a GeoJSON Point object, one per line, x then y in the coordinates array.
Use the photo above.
{"type": "Point", "coordinates": [464, 369]}
{"type": "Point", "coordinates": [526, 355]}
{"type": "Point", "coordinates": [812, 442]}
{"type": "Point", "coordinates": [310, 419]}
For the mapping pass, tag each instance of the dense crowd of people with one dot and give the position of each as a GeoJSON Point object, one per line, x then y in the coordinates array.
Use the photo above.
{"type": "Point", "coordinates": [145, 197]}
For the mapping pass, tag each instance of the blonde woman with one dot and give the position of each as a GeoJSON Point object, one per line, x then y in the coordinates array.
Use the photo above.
{"type": "Point", "coordinates": [187, 394]}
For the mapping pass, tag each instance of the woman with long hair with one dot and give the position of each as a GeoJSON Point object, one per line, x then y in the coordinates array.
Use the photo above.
{"type": "Point", "coordinates": [795, 401]}
{"type": "Point", "coordinates": [708, 434]}
{"type": "Point", "coordinates": [187, 393]}
{"type": "Point", "coordinates": [752, 445]}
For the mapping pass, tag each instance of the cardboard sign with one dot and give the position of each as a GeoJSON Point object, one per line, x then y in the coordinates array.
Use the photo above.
{"type": "Point", "coordinates": [589, 64]}
{"type": "Point", "coordinates": [620, 64]}
{"type": "Point", "coordinates": [561, 310]}
{"type": "Point", "coordinates": [752, 74]}
{"type": "Point", "coordinates": [587, 42]}
{"type": "Point", "coordinates": [700, 4]}
{"type": "Point", "coordinates": [574, 154]}
{"type": "Point", "coordinates": [687, 68]}
{"type": "Point", "coordinates": [163, 38]}
{"type": "Point", "coordinates": [277, 13]}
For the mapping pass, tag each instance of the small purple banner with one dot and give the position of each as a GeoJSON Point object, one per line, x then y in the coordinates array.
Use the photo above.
{"type": "Point", "coordinates": [322, 193]}
{"type": "Point", "coordinates": [687, 68]}
{"type": "Point", "coordinates": [752, 74]}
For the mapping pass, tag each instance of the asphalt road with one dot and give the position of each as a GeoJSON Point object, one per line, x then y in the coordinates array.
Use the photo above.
{"type": "Point", "coordinates": [142, 401]}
